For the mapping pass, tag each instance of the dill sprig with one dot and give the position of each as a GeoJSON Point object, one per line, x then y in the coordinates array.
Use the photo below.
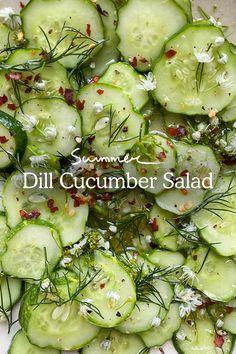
{"type": "Point", "coordinates": [15, 160]}
{"type": "Point", "coordinates": [7, 314]}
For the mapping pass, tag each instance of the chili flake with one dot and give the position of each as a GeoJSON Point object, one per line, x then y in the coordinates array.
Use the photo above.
{"type": "Point", "coordinates": [88, 29]}
{"type": "Point", "coordinates": [100, 92]}
{"type": "Point", "coordinates": [80, 105]}
{"type": "Point", "coordinates": [153, 224]}
{"type": "Point", "coordinates": [3, 139]}
{"type": "Point", "coordinates": [11, 106]}
{"type": "Point", "coordinates": [170, 53]}
{"type": "Point", "coordinates": [219, 341]}
{"type": "Point", "coordinates": [3, 99]}
{"type": "Point", "coordinates": [34, 214]}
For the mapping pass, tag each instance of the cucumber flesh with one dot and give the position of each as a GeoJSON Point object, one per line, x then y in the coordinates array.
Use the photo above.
{"type": "Point", "coordinates": [110, 341]}
{"type": "Point", "coordinates": [215, 275]}
{"type": "Point", "coordinates": [229, 113]}
{"type": "Point", "coordinates": [186, 6]}
{"type": "Point", "coordinates": [160, 335]}
{"type": "Point", "coordinates": [188, 86]}
{"type": "Point", "coordinates": [148, 24]}
{"type": "Point", "coordinates": [166, 259]}
{"type": "Point", "coordinates": [10, 293]}
{"type": "Point", "coordinates": [2, 182]}
{"type": "Point", "coordinates": [3, 233]}
{"type": "Point", "coordinates": [20, 343]}
{"type": "Point", "coordinates": [25, 254]}
{"type": "Point", "coordinates": [124, 76]}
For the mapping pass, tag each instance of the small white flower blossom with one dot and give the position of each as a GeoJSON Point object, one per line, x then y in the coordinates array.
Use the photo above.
{"type": "Point", "coordinates": [156, 322]}
{"type": "Point", "coordinates": [113, 296]}
{"type": "Point", "coordinates": [105, 344]}
{"type": "Point", "coordinates": [181, 336]}
{"type": "Point", "coordinates": [219, 323]}
{"type": "Point", "coordinates": [50, 133]}
{"type": "Point", "coordinates": [188, 298]}
{"type": "Point", "coordinates": [98, 107]}
{"type": "Point", "coordinates": [65, 261]}
{"type": "Point", "coordinates": [196, 135]}
{"type": "Point", "coordinates": [45, 284]}
{"type": "Point", "coordinates": [8, 16]}
{"type": "Point", "coordinates": [219, 41]}
{"type": "Point", "coordinates": [41, 85]}
{"type": "Point", "coordinates": [84, 308]}
{"type": "Point", "coordinates": [39, 160]}
{"type": "Point", "coordinates": [113, 228]}
{"type": "Point", "coordinates": [188, 275]}
{"type": "Point", "coordinates": [102, 123]}
{"type": "Point", "coordinates": [92, 65]}
{"type": "Point", "coordinates": [77, 248]}
{"type": "Point", "coordinates": [148, 83]}
{"type": "Point", "coordinates": [223, 59]}
{"type": "Point", "coordinates": [214, 22]}
{"type": "Point", "coordinates": [223, 81]}
{"type": "Point", "coordinates": [29, 123]}
{"type": "Point", "coordinates": [231, 148]}
{"type": "Point", "coordinates": [203, 57]}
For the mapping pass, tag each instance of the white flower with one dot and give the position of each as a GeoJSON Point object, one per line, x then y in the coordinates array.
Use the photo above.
{"type": "Point", "coordinates": [214, 22]}
{"type": "Point", "coordinates": [189, 228]}
{"type": "Point", "coordinates": [45, 284]}
{"type": "Point", "coordinates": [39, 160]}
{"type": "Point", "coordinates": [104, 244]}
{"type": "Point", "coordinates": [148, 83]}
{"type": "Point", "coordinates": [105, 344]}
{"type": "Point", "coordinates": [232, 146]}
{"type": "Point", "coordinates": [196, 135]}
{"type": "Point", "coordinates": [8, 16]}
{"type": "Point", "coordinates": [113, 228]}
{"type": "Point", "coordinates": [234, 125]}
{"type": "Point", "coordinates": [180, 335]}
{"type": "Point", "coordinates": [77, 247]}
{"type": "Point", "coordinates": [219, 323]}
{"type": "Point", "coordinates": [102, 123]}
{"type": "Point", "coordinates": [189, 299]}
{"type": "Point", "coordinates": [50, 133]}
{"type": "Point", "coordinates": [219, 41]}
{"type": "Point", "coordinates": [202, 127]}
{"type": "Point", "coordinates": [156, 322]}
{"type": "Point", "coordinates": [84, 307]}
{"type": "Point", "coordinates": [65, 261]}
{"type": "Point", "coordinates": [188, 275]}
{"type": "Point", "coordinates": [71, 130]}
{"type": "Point", "coordinates": [203, 57]}
{"type": "Point", "coordinates": [223, 59]}
{"type": "Point", "coordinates": [223, 81]}
{"type": "Point", "coordinates": [92, 65]}
{"type": "Point", "coordinates": [41, 85]}
{"type": "Point", "coordinates": [29, 122]}
{"type": "Point", "coordinates": [113, 296]}
{"type": "Point", "coordinates": [98, 107]}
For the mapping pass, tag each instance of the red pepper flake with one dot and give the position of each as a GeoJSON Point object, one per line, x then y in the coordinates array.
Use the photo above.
{"type": "Point", "coordinates": [22, 5]}
{"type": "Point", "coordinates": [229, 309]}
{"type": "Point", "coordinates": [132, 202]}
{"type": "Point", "coordinates": [133, 62]}
{"type": "Point", "coordinates": [143, 60]}
{"type": "Point", "coordinates": [34, 214]}
{"type": "Point", "coordinates": [94, 79]}
{"type": "Point", "coordinates": [184, 191]}
{"type": "Point", "coordinates": [88, 29]}
{"type": "Point", "coordinates": [43, 54]}
{"type": "Point", "coordinates": [80, 105]}
{"type": "Point", "coordinates": [184, 173]}
{"type": "Point", "coordinates": [153, 224]}
{"type": "Point", "coordinates": [219, 341]}
{"type": "Point", "coordinates": [169, 144]}
{"type": "Point", "coordinates": [50, 203]}
{"type": "Point", "coordinates": [54, 210]}
{"type": "Point", "coordinates": [61, 91]}
{"type": "Point", "coordinates": [91, 139]}
{"type": "Point", "coordinates": [177, 132]}
{"type": "Point", "coordinates": [106, 197]}
{"type": "Point", "coordinates": [170, 53]}
{"type": "Point", "coordinates": [3, 139]}
{"type": "Point", "coordinates": [3, 99]}
{"type": "Point", "coordinates": [100, 92]}
{"type": "Point", "coordinates": [68, 95]}
{"type": "Point", "coordinates": [29, 78]}
{"type": "Point", "coordinates": [79, 200]}
{"type": "Point", "coordinates": [13, 76]}
{"type": "Point", "coordinates": [11, 106]}
{"type": "Point", "coordinates": [161, 156]}
{"type": "Point", "coordinates": [102, 285]}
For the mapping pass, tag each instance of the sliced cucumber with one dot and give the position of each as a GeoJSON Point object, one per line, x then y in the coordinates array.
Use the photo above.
{"type": "Point", "coordinates": [186, 6]}
{"type": "Point", "coordinates": [124, 76]}
{"type": "Point", "coordinates": [165, 259]}
{"type": "Point", "coordinates": [229, 320]}
{"type": "Point", "coordinates": [39, 17]}
{"type": "Point", "coordinates": [158, 336]}
{"type": "Point", "coordinates": [229, 113]}
{"type": "Point", "coordinates": [46, 126]}
{"type": "Point", "coordinates": [198, 336]}
{"type": "Point", "coordinates": [10, 293]}
{"type": "Point", "coordinates": [190, 78]}
{"type": "Point", "coordinates": [111, 341]}
{"type": "Point", "coordinates": [117, 127]}
{"type": "Point", "coordinates": [224, 316]}
{"type": "Point", "coordinates": [2, 183]}
{"type": "Point", "coordinates": [31, 247]}
{"type": "Point", "coordinates": [158, 156]}
{"type": "Point", "coordinates": [21, 344]}
{"type": "Point", "coordinates": [69, 219]}
{"type": "Point", "coordinates": [112, 292]}
{"type": "Point", "coordinates": [215, 275]}
{"type": "Point", "coordinates": [145, 314]}
{"type": "Point", "coordinates": [144, 27]}
{"type": "Point", "coordinates": [13, 139]}
{"type": "Point", "coordinates": [219, 229]}
{"type": "Point", "coordinates": [3, 233]}
{"type": "Point", "coordinates": [6, 40]}
{"type": "Point", "coordinates": [50, 325]}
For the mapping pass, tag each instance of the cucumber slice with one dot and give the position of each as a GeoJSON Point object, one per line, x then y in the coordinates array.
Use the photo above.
{"type": "Point", "coordinates": [158, 155]}
{"type": "Point", "coordinates": [160, 335]}
{"type": "Point", "coordinates": [69, 219]}
{"type": "Point", "coordinates": [20, 343]}
{"type": "Point", "coordinates": [229, 113]}
{"type": "Point", "coordinates": [124, 76]}
{"type": "Point", "coordinates": [144, 315]}
{"type": "Point", "coordinates": [46, 126]}
{"type": "Point", "coordinates": [6, 40]}
{"type": "Point", "coordinates": [112, 292]}
{"type": "Point", "coordinates": [229, 320]}
{"type": "Point", "coordinates": [2, 183]}
{"type": "Point", "coordinates": [186, 6]}
{"type": "Point", "coordinates": [219, 229]}
{"type": "Point", "coordinates": [12, 139]}
{"type": "Point", "coordinates": [117, 127]}
{"type": "Point", "coordinates": [111, 341]}
{"type": "Point", "coordinates": [223, 315]}
{"type": "Point", "coordinates": [3, 233]}
{"type": "Point", "coordinates": [10, 292]}
{"type": "Point", "coordinates": [215, 275]}
{"type": "Point", "coordinates": [199, 336]}
{"type": "Point", "coordinates": [186, 84]}
{"type": "Point", "coordinates": [77, 14]}
{"type": "Point", "coordinates": [50, 325]}
{"type": "Point", "coordinates": [165, 259]}
{"type": "Point", "coordinates": [144, 27]}
{"type": "Point", "coordinates": [30, 246]}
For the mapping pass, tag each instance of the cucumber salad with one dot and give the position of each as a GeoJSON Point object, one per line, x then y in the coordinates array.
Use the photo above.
{"type": "Point", "coordinates": [140, 94]}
